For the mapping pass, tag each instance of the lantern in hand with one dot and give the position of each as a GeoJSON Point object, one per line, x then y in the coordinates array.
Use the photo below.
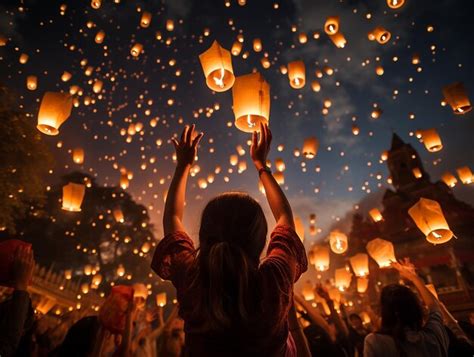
{"type": "Point", "coordinates": [216, 63]}
{"type": "Point", "coordinates": [55, 108]}
{"type": "Point", "coordinates": [429, 218]}
{"type": "Point", "coordinates": [381, 251]}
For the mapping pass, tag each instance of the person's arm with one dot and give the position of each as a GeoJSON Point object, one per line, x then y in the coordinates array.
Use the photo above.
{"type": "Point", "coordinates": [125, 348]}
{"type": "Point", "coordinates": [15, 316]}
{"type": "Point", "coordinates": [302, 347]}
{"type": "Point", "coordinates": [99, 342]}
{"type": "Point", "coordinates": [279, 205]}
{"type": "Point", "coordinates": [340, 325]}
{"type": "Point", "coordinates": [315, 316]}
{"type": "Point", "coordinates": [186, 150]}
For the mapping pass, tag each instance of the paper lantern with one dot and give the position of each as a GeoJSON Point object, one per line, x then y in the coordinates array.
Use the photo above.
{"type": "Point", "coordinates": [299, 227]}
{"type": "Point", "coordinates": [145, 247]}
{"type": "Point", "coordinates": [302, 38]}
{"type": "Point", "coordinates": [66, 76]}
{"type": "Point", "coordinates": [136, 49]}
{"type": "Point", "coordinates": [338, 242]}
{"type": "Point", "coordinates": [321, 257]}
{"type": "Point", "coordinates": [355, 130]}
{"type": "Point", "coordinates": [145, 19]}
{"type": "Point", "coordinates": [456, 96]}
{"type": "Point", "coordinates": [87, 269]}
{"type": "Point", "coordinates": [236, 48]}
{"type": "Point", "coordinates": [395, 4]}
{"type": "Point", "coordinates": [8, 250]}
{"type": "Point", "coordinates": [315, 86]}
{"type": "Point", "coordinates": [99, 37]}
{"type": "Point", "coordinates": [3, 41]}
{"type": "Point", "coordinates": [120, 270]}
{"type": "Point", "coordinates": [251, 102]}
{"type": "Point", "coordinates": [384, 155]}
{"type": "Point", "coordinates": [331, 26]}
{"type": "Point", "coordinates": [234, 159]}
{"type": "Point", "coordinates": [68, 274]}
{"type": "Point", "coordinates": [140, 291]}
{"type": "Point", "coordinates": [431, 140]}
{"type": "Point", "coordinates": [23, 58]}
{"type": "Point", "coordinates": [265, 62]}
{"type": "Point", "coordinates": [465, 175]}
{"type": "Point", "coordinates": [417, 172]}
{"type": "Point", "coordinates": [78, 155]}
{"type": "Point", "coordinates": [31, 82]}
{"type": "Point", "coordinates": [380, 35]}
{"type": "Point", "coordinates": [362, 285]}
{"type": "Point", "coordinates": [308, 291]}
{"type": "Point", "coordinates": [449, 179]}
{"type": "Point", "coordinates": [216, 63]}
{"type": "Point", "coordinates": [55, 108]}
{"type": "Point", "coordinates": [429, 218]}
{"type": "Point", "coordinates": [360, 264]}
{"type": "Point", "coordinates": [297, 74]}
{"type": "Point", "coordinates": [280, 164]}
{"type": "Point", "coordinates": [73, 194]}
{"type": "Point", "coordinates": [279, 177]}
{"type": "Point", "coordinates": [161, 299]}
{"type": "Point", "coordinates": [95, 4]}
{"type": "Point", "coordinates": [113, 313]}
{"type": "Point", "coordinates": [376, 113]}
{"type": "Point", "coordinates": [118, 215]}
{"type": "Point", "coordinates": [97, 86]}
{"type": "Point", "coordinates": [257, 45]}
{"type": "Point", "coordinates": [381, 251]}
{"type": "Point", "coordinates": [124, 182]}
{"type": "Point", "coordinates": [85, 288]}
{"type": "Point", "coordinates": [310, 147]}
{"type": "Point", "coordinates": [338, 39]}
{"type": "Point", "coordinates": [312, 218]}
{"type": "Point", "coordinates": [169, 25]}
{"type": "Point", "coordinates": [342, 279]}
{"type": "Point", "coordinates": [375, 215]}
{"type": "Point", "coordinates": [379, 70]}
{"type": "Point", "coordinates": [96, 280]}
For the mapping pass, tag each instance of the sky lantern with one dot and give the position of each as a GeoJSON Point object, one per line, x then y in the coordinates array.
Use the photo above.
{"type": "Point", "coordinates": [66, 76]}
{"type": "Point", "coordinates": [429, 218]}
{"type": "Point", "coordinates": [355, 129]}
{"type": "Point", "coordinates": [380, 35]}
{"type": "Point", "coordinates": [161, 299]}
{"type": "Point", "coordinates": [73, 194]}
{"type": "Point", "coordinates": [417, 172]}
{"type": "Point", "coordinates": [342, 279]}
{"type": "Point", "coordinates": [360, 264]}
{"type": "Point", "coordinates": [236, 48]}
{"type": "Point", "coordinates": [362, 285]}
{"type": "Point", "coordinates": [395, 4]}
{"type": "Point", "coordinates": [216, 63]}
{"type": "Point", "coordinates": [96, 4]}
{"type": "Point", "coordinates": [145, 19]}
{"type": "Point", "coordinates": [280, 164]}
{"type": "Point", "coordinates": [169, 25]}
{"type": "Point", "coordinates": [265, 62]}
{"type": "Point", "coordinates": [124, 181]}
{"type": "Point", "coordinates": [31, 82]}
{"type": "Point", "coordinates": [431, 140]}
{"type": "Point", "coordinates": [299, 227]}
{"type": "Point", "coordinates": [99, 37]}
{"type": "Point", "coordinates": [381, 251]}
{"type": "Point", "coordinates": [297, 74]}
{"type": "Point", "coordinates": [87, 269]}
{"type": "Point", "coordinates": [136, 49]}
{"type": "Point", "coordinates": [315, 86]}
{"type": "Point", "coordinates": [379, 70]}
{"type": "Point", "coordinates": [302, 38]}
{"type": "Point", "coordinates": [338, 39]}
{"type": "Point", "coordinates": [120, 270]}
{"type": "Point", "coordinates": [449, 179]}
{"type": "Point", "coordinates": [78, 155]}
{"type": "Point", "coordinates": [85, 288]}
{"type": "Point", "coordinates": [376, 113]}
{"type": "Point", "coordinates": [96, 280]}
{"type": "Point", "coordinates": [338, 242]}
{"type": "Point", "coordinates": [257, 45]}
{"type": "Point", "coordinates": [465, 175]}
{"type": "Point", "coordinates": [251, 102]}
{"type": "Point", "coordinates": [145, 248]}
{"type": "Point", "coordinates": [376, 215]}
{"type": "Point", "coordinates": [279, 177]}
{"type": "Point", "coordinates": [456, 96]}
{"type": "Point", "coordinates": [55, 108]}
{"type": "Point", "coordinates": [97, 86]}
{"type": "Point", "coordinates": [23, 58]}
{"type": "Point", "coordinates": [118, 215]}
{"type": "Point", "coordinates": [331, 26]}
{"type": "Point", "coordinates": [310, 147]}
{"type": "Point", "coordinates": [321, 257]}
{"type": "Point", "coordinates": [68, 274]}
{"type": "Point", "coordinates": [234, 159]}
{"type": "Point", "coordinates": [308, 291]}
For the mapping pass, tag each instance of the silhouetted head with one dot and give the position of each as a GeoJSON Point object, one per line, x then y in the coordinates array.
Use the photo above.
{"type": "Point", "coordinates": [80, 338]}
{"type": "Point", "coordinates": [356, 321]}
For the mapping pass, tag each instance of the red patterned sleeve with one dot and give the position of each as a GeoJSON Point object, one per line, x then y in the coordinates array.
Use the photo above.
{"type": "Point", "coordinates": [173, 256]}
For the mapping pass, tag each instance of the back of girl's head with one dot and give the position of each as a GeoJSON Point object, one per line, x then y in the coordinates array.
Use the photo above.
{"type": "Point", "coordinates": [232, 236]}
{"type": "Point", "coordinates": [400, 309]}
{"type": "Point", "coordinates": [80, 338]}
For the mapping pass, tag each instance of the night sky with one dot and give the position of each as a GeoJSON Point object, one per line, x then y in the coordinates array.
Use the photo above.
{"type": "Point", "coordinates": [165, 85]}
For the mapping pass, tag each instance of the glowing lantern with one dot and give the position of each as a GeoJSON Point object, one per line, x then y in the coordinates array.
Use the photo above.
{"type": "Point", "coordinates": [417, 172]}
{"type": "Point", "coordinates": [379, 70]}
{"type": "Point", "coordinates": [362, 285]}
{"type": "Point", "coordinates": [431, 140]}
{"type": "Point", "coordinates": [96, 280]}
{"type": "Point", "coordinates": [376, 113]}
{"type": "Point", "coordinates": [380, 35]}
{"type": "Point", "coordinates": [66, 76]}
{"type": "Point", "coordinates": [124, 182]}
{"type": "Point", "coordinates": [297, 74]}
{"type": "Point", "coordinates": [315, 86]}
{"type": "Point", "coordinates": [140, 291]}
{"type": "Point", "coordinates": [31, 82]}
{"type": "Point", "coordinates": [299, 227]}
{"type": "Point", "coordinates": [265, 62]}
{"type": "Point", "coordinates": [375, 215]}
{"type": "Point", "coordinates": [360, 264]}
{"type": "Point", "coordinates": [257, 45]}
{"type": "Point", "coordinates": [465, 174]}
{"type": "Point", "coordinates": [118, 215]}
{"type": "Point", "coordinates": [136, 49]}
{"type": "Point", "coordinates": [308, 291]}
{"type": "Point", "coordinates": [97, 87]}
{"type": "Point", "coordinates": [3, 41]}
{"type": "Point", "coordinates": [73, 194]}
{"type": "Point", "coordinates": [145, 247]}
{"type": "Point", "coordinates": [310, 147]}
{"type": "Point", "coordinates": [456, 96]}
{"type": "Point", "coordinates": [429, 218]}
{"type": "Point", "coordinates": [251, 102]}
{"type": "Point", "coordinates": [321, 257]}
{"type": "Point", "coordinates": [120, 270]}
{"type": "Point", "coordinates": [234, 160]}
{"type": "Point", "coordinates": [78, 155]}
{"type": "Point", "coordinates": [338, 39]}
{"type": "Point", "coordinates": [169, 25]}
{"type": "Point", "coordinates": [95, 4]}
{"type": "Point", "coordinates": [342, 279]}
{"type": "Point", "coordinates": [161, 299]}
{"type": "Point", "coordinates": [99, 37]}
{"type": "Point", "coordinates": [395, 4]}
{"type": "Point", "coordinates": [331, 25]}
{"type": "Point", "coordinates": [85, 288]}
{"type": "Point", "coordinates": [23, 58]}
{"type": "Point", "coordinates": [312, 218]}
{"type": "Point", "coordinates": [302, 38]}
{"type": "Point", "coordinates": [68, 274]}
{"type": "Point", "coordinates": [236, 48]}
{"type": "Point", "coordinates": [338, 242]}
{"type": "Point", "coordinates": [449, 179]}
{"type": "Point", "coordinates": [384, 155]}
{"type": "Point", "coordinates": [279, 177]}
{"type": "Point", "coordinates": [55, 108]}
{"type": "Point", "coordinates": [381, 251]}
{"type": "Point", "coordinates": [88, 269]}
{"type": "Point", "coordinates": [355, 130]}
{"type": "Point", "coordinates": [216, 63]}
{"type": "Point", "coordinates": [280, 164]}
{"type": "Point", "coordinates": [145, 19]}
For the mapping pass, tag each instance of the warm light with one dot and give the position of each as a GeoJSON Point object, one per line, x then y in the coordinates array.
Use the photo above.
{"type": "Point", "coordinates": [375, 215]}
{"type": "Point", "coordinates": [362, 285]}
{"type": "Point", "coordinates": [338, 39]}
{"type": "Point", "coordinates": [332, 25]}
{"type": "Point", "coordinates": [456, 96]}
{"type": "Point", "coordinates": [78, 155]}
{"type": "Point", "coordinates": [360, 264]}
{"type": "Point", "coordinates": [342, 279]}
{"type": "Point", "coordinates": [55, 108]}
{"type": "Point", "coordinates": [161, 299]}
{"type": "Point", "coordinates": [381, 251]}
{"type": "Point", "coordinates": [31, 82]}
{"type": "Point", "coordinates": [465, 175]}
{"type": "Point", "coordinates": [73, 194]}
{"type": "Point", "coordinates": [429, 218]}
{"type": "Point", "coordinates": [395, 4]}
{"type": "Point", "coordinates": [216, 63]}
{"type": "Point", "coordinates": [338, 242]}
{"type": "Point", "coordinates": [449, 179]}
{"type": "Point", "coordinates": [145, 19]}
{"type": "Point", "coordinates": [321, 256]}
{"type": "Point", "coordinates": [432, 140]}
{"type": "Point", "coordinates": [136, 49]}
{"type": "Point", "coordinates": [310, 147]}
{"type": "Point", "coordinates": [297, 74]}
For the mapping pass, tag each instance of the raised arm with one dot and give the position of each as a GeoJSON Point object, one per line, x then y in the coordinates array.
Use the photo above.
{"type": "Point", "coordinates": [276, 198]}
{"type": "Point", "coordinates": [186, 150]}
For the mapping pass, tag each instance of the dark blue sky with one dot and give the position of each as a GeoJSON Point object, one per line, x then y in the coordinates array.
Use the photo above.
{"type": "Point", "coordinates": [138, 90]}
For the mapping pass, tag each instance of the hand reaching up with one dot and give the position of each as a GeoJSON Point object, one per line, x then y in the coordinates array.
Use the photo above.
{"type": "Point", "coordinates": [406, 269]}
{"type": "Point", "coordinates": [186, 147]}
{"type": "Point", "coordinates": [261, 147]}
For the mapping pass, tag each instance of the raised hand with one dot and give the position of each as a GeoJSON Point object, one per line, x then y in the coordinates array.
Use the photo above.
{"type": "Point", "coordinates": [261, 147]}
{"type": "Point", "coordinates": [322, 291]}
{"type": "Point", "coordinates": [186, 147]}
{"type": "Point", "coordinates": [23, 267]}
{"type": "Point", "coordinates": [406, 269]}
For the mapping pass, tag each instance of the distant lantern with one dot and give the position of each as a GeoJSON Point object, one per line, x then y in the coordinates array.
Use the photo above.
{"type": "Point", "coordinates": [145, 248]}
{"type": "Point", "coordinates": [331, 26]}
{"type": "Point", "coordinates": [216, 63]}
{"type": "Point", "coordinates": [384, 155]}
{"type": "Point", "coordinates": [465, 175]}
{"type": "Point", "coordinates": [302, 38]}
{"type": "Point", "coordinates": [432, 140]}
{"type": "Point", "coordinates": [3, 41]}
{"type": "Point", "coordinates": [265, 62]}
{"type": "Point", "coordinates": [234, 159]}
{"type": "Point", "coordinates": [118, 215]}
{"type": "Point", "coordinates": [257, 45]}
{"type": "Point", "coordinates": [236, 48]}
{"type": "Point", "coordinates": [97, 86]}
{"type": "Point", "coordinates": [280, 164]}
{"type": "Point", "coordinates": [308, 291]}
{"type": "Point", "coordinates": [95, 4]}
{"type": "Point", "coordinates": [169, 25]}
{"type": "Point", "coordinates": [429, 218]}
{"type": "Point", "coordinates": [85, 288]}
{"type": "Point", "coordinates": [99, 37]}
{"type": "Point", "coordinates": [321, 257]}
{"type": "Point", "coordinates": [312, 218]}
{"type": "Point", "coordinates": [456, 96]}
{"type": "Point", "coordinates": [379, 70]}
{"type": "Point", "coordinates": [68, 274]}
{"type": "Point", "coordinates": [395, 4]}
{"type": "Point", "coordinates": [417, 172]}
{"type": "Point", "coordinates": [78, 155]}
{"type": "Point", "coordinates": [376, 113]}
{"type": "Point", "coordinates": [96, 280]}
{"type": "Point", "coordinates": [362, 285]}
{"type": "Point", "coordinates": [55, 108]}
{"type": "Point", "coordinates": [338, 39]}
{"type": "Point", "coordinates": [381, 251]}
{"type": "Point", "coordinates": [315, 86]}
{"type": "Point", "coordinates": [161, 299]}
{"type": "Point", "coordinates": [375, 215]}
{"type": "Point", "coordinates": [342, 279]}
{"type": "Point", "coordinates": [23, 58]}
{"type": "Point", "coordinates": [279, 177]}
{"type": "Point", "coordinates": [299, 227]}
{"type": "Point", "coordinates": [360, 264]}
{"type": "Point", "coordinates": [66, 76]}
{"type": "Point", "coordinates": [380, 35]}
{"type": "Point", "coordinates": [73, 194]}
{"type": "Point", "coordinates": [124, 182]}
{"type": "Point", "coordinates": [449, 179]}
{"type": "Point", "coordinates": [136, 49]}
{"type": "Point", "coordinates": [338, 242]}
{"type": "Point", "coordinates": [415, 59]}
{"type": "Point", "coordinates": [31, 82]}
{"type": "Point", "coordinates": [297, 74]}
{"type": "Point", "coordinates": [310, 147]}
{"type": "Point", "coordinates": [355, 130]}
{"type": "Point", "coordinates": [251, 102]}
{"type": "Point", "coordinates": [87, 269]}
{"type": "Point", "coordinates": [120, 270]}
{"type": "Point", "coordinates": [145, 19]}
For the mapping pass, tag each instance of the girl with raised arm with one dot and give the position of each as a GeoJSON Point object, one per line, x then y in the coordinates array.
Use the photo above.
{"type": "Point", "coordinates": [233, 303]}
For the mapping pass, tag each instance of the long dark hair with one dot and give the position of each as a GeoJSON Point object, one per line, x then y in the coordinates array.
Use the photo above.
{"type": "Point", "coordinates": [232, 236]}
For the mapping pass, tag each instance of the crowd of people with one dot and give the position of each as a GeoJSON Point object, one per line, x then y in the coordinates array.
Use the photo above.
{"type": "Point", "coordinates": [230, 301]}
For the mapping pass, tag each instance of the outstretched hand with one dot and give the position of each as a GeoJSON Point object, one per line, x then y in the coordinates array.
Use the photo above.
{"type": "Point", "coordinates": [261, 147]}
{"type": "Point", "coordinates": [186, 147]}
{"type": "Point", "coordinates": [323, 292]}
{"type": "Point", "coordinates": [406, 269]}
